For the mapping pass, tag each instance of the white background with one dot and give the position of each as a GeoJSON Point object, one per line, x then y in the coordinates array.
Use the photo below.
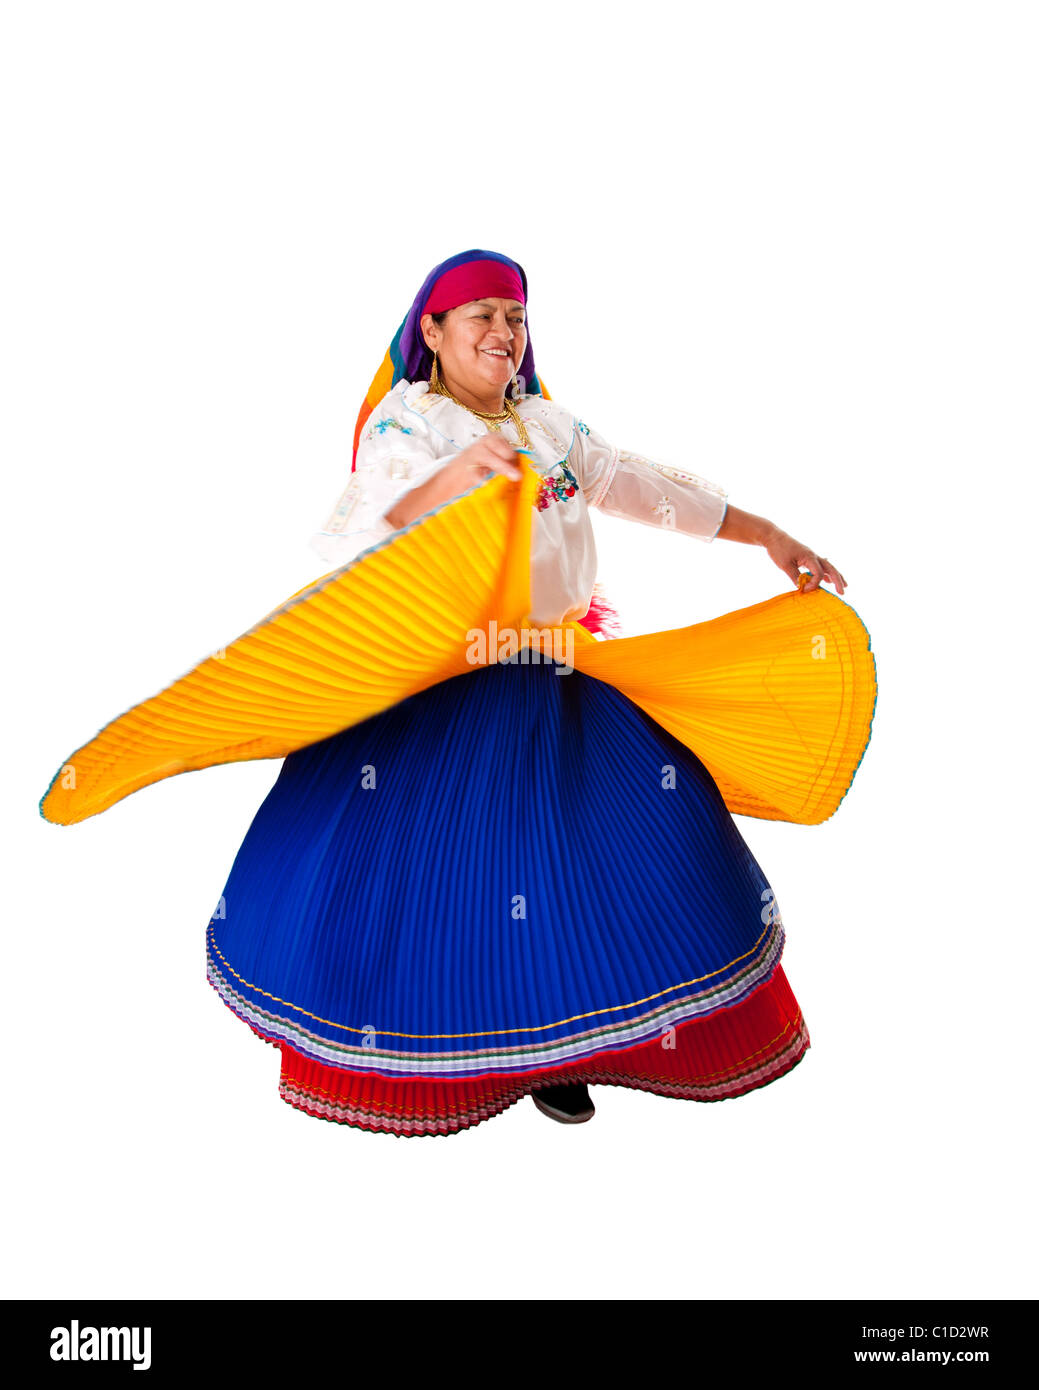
{"type": "Point", "coordinates": [790, 246]}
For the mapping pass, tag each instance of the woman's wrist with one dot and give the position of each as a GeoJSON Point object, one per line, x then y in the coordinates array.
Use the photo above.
{"type": "Point", "coordinates": [408, 507]}
{"type": "Point", "coordinates": [738, 525]}
{"type": "Point", "coordinates": [441, 487]}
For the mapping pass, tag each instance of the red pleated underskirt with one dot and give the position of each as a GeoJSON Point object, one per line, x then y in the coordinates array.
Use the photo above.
{"type": "Point", "coordinates": [726, 1054]}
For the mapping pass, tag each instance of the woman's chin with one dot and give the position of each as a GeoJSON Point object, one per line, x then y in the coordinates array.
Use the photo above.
{"type": "Point", "coordinates": [498, 378]}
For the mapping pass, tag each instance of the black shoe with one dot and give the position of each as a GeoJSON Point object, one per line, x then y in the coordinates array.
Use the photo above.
{"type": "Point", "coordinates": [570, 1105]}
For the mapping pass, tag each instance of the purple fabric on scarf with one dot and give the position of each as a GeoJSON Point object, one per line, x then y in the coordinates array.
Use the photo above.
{"type": "Point", "coordinates": [413, 360]}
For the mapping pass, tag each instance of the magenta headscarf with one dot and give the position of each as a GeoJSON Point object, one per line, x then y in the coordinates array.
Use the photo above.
{"type": "Point", "coordinates": [469, 275]}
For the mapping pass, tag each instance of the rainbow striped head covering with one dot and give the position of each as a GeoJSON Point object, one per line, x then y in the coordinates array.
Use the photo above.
{"type": "Point", "coordinates": [469, 275]}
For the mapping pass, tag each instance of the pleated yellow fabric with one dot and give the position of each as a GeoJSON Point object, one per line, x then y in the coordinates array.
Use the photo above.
{"type": "Point", "coordinates": [348, 646]}
{"type": "Point", "coordinates": [776, 700]}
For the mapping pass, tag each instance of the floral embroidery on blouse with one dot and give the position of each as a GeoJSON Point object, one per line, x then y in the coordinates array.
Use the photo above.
{"type": "Point", "coordinates": [582, 427]}
{"type": "Point", "coordinates": [381, 426]}
{"type": "Point", "coordinates": [556, 489]}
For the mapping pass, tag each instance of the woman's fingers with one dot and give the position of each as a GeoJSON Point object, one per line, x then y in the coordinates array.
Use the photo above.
{"type": "Point", "coordinates": [793, 558]}
{"type": "Point", "coordinates": [814, 566]}
{"type": "Point", "coordinates": [833, 575]}
{"type": "Point", "coordinates": [508, 469]}
{"type": "Point", "coordinates": [790, 568]}
{"type": "Point", "coordinates": [493, 455]}
{"type": "Point", "coordinates": [820, 569]}
{"type": "Point", "coordinates": [505, 457]}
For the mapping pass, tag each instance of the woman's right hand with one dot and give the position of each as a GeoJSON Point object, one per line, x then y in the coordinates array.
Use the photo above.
{"type": "Point", "coordinates": [490, 454]}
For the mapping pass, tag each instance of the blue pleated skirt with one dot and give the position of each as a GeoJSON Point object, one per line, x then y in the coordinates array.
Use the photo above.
{"type": "Point", "coordinates": [513, 871]}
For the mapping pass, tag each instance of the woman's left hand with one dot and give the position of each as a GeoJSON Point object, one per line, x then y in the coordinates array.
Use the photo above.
{"type": "Point", "coordinates": [791, 557]}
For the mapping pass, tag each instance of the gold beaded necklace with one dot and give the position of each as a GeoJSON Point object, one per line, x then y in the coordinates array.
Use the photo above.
{"type": "Point", "coordinates": [493, 419]}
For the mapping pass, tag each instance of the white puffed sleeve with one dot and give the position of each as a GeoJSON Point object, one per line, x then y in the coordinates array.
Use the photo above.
{"type": "Point", "coordinates": [396, 452]}
{"type": "Point", "coordinates": [628, 485]}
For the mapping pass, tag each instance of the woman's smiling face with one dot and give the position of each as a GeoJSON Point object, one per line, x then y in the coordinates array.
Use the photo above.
{"type": "Point", "coordinates": [480, 346]}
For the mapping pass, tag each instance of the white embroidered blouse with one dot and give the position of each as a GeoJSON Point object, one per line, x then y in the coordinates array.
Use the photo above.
{"type": "Point", "coordinates": [413, 432]}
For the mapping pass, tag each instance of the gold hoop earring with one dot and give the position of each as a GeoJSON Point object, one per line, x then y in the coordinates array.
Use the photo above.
{"type": "Point", "coordinates": [434, 375]}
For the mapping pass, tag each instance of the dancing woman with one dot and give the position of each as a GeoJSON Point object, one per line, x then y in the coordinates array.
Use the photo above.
{"type": "Point", "coordinates": [497, 870]}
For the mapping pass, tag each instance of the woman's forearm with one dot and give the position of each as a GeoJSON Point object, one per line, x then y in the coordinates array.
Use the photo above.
{"type": "Point", "coordinates": [489, 454]}
{"type": "Point", "coordinates": [419, 500]}
{"type": "Point", "coordinates": [745, 526]}
{"type": "Point", "coordinates": [781, 548]}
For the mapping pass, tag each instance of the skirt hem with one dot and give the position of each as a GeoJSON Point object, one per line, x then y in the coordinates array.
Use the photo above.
{"type": "Point", "coordinates": [702, 1065]}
